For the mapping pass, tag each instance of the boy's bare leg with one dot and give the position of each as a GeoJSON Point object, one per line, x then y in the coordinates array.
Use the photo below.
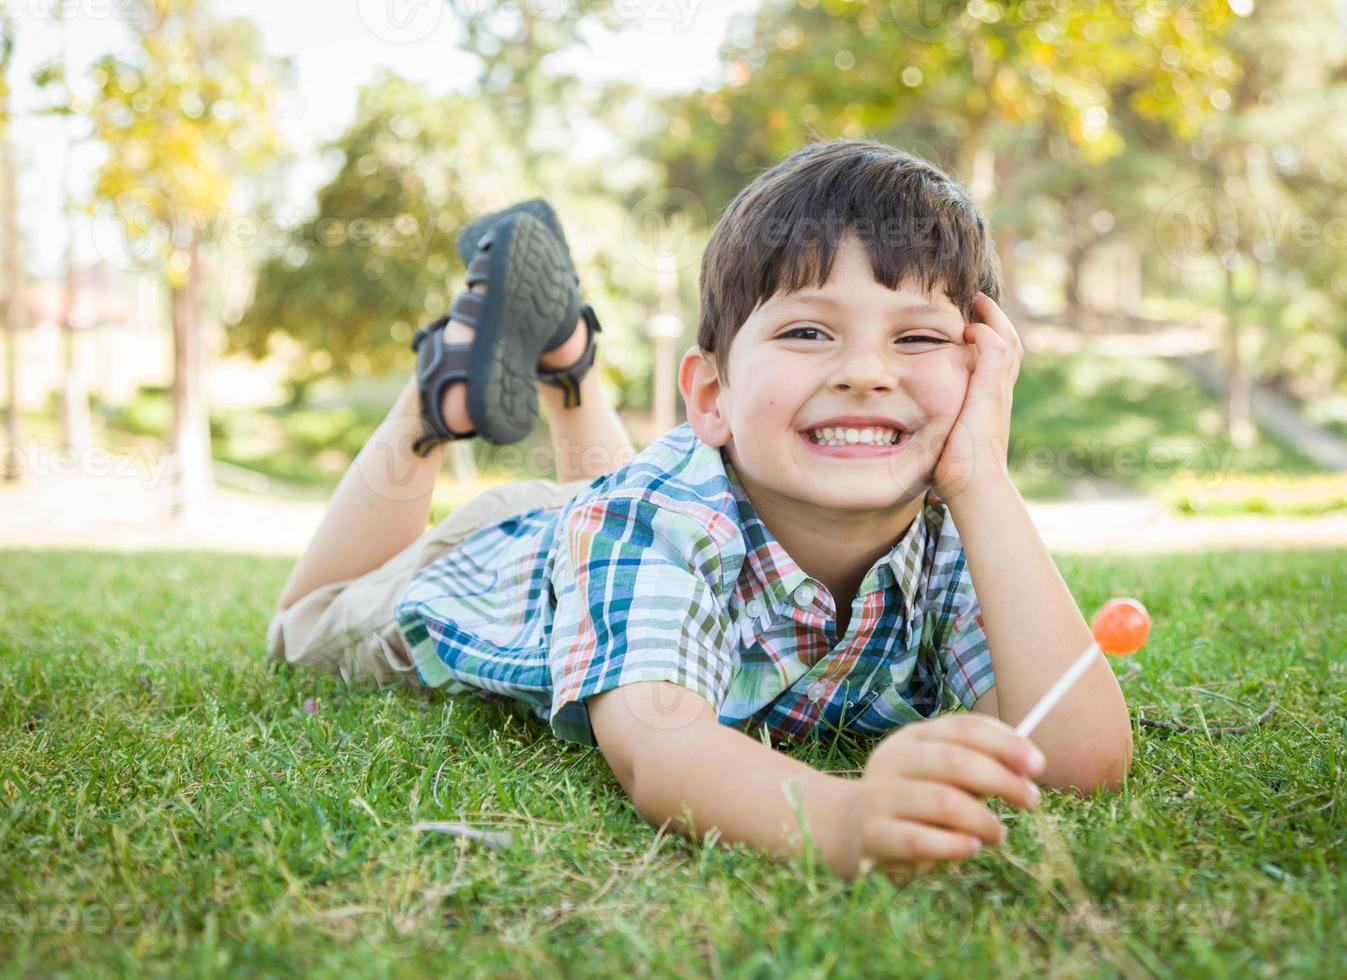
{"type": "Point", "coordinates": [382, 503]}
{"type": "Point", "coordinates": [589, 439]}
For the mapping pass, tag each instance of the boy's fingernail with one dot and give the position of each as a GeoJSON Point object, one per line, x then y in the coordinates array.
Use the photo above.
{"type": "Point", "coordinates": [1036, 761]}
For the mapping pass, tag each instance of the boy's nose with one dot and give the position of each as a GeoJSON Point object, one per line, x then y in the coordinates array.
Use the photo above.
{"type": "Point", "coordinates": [865, 371]}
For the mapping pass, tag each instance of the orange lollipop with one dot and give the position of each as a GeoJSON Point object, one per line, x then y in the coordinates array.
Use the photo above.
{"type": "Point", "coordinates": [1120, 627]}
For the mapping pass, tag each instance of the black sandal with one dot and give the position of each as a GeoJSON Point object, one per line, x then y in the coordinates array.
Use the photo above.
{"type": "Point", "coordinates": [468, 242]}
{"type": "Point", "coordinates": [530, 307]}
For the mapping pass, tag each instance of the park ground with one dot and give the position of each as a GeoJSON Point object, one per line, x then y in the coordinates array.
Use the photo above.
{"type": "Point", "coordinates": [169, 805]}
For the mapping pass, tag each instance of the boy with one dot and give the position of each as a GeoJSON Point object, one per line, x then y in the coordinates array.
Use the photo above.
{"type": "Point", "coordinates": [775, 564]}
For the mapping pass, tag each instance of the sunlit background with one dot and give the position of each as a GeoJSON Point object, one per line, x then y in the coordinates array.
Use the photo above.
{"type": "Point", "coordinates": [222, 223]}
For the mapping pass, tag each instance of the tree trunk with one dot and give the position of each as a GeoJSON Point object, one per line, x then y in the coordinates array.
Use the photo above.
{"type": "Point", "coordinates": [1238, 427]}
{"type": "Point", "coordinates": [191, 424]}
{"type": "Point", "coordinates": [1075, 261]}
{"type": "Point", "coordinates": [76, 429]}
{"type": "Point", "coordinates": [13, 310]}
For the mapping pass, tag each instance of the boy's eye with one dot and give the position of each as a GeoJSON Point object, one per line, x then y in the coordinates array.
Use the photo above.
{"type": "Point", "coordinates": [921, 339]}
{"type": "Point", "coordinates": [800, 331]}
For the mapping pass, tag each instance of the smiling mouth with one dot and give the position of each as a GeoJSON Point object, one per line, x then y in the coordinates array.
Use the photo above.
{"type": "Point", "coordinates": [872, 435]}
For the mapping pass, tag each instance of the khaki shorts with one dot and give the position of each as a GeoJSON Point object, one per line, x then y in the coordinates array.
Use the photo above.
{"type": "Point", "coordinates": [350, 629]}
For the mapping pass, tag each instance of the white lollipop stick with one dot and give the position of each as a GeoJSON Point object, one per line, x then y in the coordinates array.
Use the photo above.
{"type": "Point", "coordinates": [1055, 692]}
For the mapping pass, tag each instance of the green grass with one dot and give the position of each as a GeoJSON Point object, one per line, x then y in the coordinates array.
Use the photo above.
{"type": "Point", "coordinates": [1140, 421]}
{"type": "Point", "coordinates": [168, 807]}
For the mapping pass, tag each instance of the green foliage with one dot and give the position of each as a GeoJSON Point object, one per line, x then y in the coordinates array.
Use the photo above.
{"type": "Point", "coordinates": [378, 260]}
{"type": "Point", "coordinates": [938, 76]}
{"type": "Point", "coordinates": [1201, 139]}
{"type": "Point", "coordinates": [1136, 421]}
{"type": "Point", "coordinates": [190, 112]}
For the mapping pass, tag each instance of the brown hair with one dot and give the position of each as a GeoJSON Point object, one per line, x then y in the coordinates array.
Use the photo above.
{"type": "Point", "coordinates": [781, 233]}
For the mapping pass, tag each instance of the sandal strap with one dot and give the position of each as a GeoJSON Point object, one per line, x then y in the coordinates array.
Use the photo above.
{"type": "Point", "coordinates": [568, 379]}
{"type": "Point", "coordinates": [438, 366]}
{"type": "Point", "coordinates": [467, 305]}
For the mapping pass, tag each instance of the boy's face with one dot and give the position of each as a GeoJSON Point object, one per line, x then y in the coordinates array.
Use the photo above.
{"type": "Point", "coordinates": [841, 398]}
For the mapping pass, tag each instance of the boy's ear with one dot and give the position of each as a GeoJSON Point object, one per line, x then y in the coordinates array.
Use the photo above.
{"type": "Point", "coordinates": [701, 388]}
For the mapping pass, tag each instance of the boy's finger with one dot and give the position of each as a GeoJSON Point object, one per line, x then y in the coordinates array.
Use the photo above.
{"type": "Point", "coordinates": [995, 317]}
{"type": "Point", "coordinates": [992, 349]}
{"type": "Point", "coordinates": [985, 734]}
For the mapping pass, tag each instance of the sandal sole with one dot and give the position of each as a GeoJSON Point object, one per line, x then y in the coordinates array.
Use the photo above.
{"type": "Point", "coordinates": [527, 296]}
{"type": "Point", "coordinates": [538, 207]}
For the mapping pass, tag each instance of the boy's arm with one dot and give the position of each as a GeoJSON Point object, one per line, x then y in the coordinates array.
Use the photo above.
{"type": "Point", "coordinates": [1035, 630]}
{"type": "Point", "coordinates": [670, 753]}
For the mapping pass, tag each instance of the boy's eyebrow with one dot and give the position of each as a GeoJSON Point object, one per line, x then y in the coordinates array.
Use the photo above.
{"type": "Point", "coordinates": [812, 298]}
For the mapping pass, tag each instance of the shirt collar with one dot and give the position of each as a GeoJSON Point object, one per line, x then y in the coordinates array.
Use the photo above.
{"type": "Point", "coordinates": [774, 576]}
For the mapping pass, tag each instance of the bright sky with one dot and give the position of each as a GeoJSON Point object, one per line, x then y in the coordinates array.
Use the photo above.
{"type": "Point", "coordinates": [337, 45]}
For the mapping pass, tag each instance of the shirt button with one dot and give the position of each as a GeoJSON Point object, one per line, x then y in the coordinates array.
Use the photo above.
{"type": "Point", "coordinates": [804, 595]}
{"type": "Point", "coordinates": [754, 608]}
{"type": "Point", "coordinates": [815, 692]}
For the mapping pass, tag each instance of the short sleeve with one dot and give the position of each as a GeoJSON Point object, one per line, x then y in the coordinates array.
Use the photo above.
{"type": "Point", "coordinates": [965, 658]}
{"type": "Point", "coordinates": [637, 601]}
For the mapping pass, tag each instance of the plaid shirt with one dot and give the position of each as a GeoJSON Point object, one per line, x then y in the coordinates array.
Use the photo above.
{"type": "Point", "coordinates": [663, 571]}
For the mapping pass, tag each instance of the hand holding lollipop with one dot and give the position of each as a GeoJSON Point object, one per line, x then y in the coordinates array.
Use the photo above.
{"type": "Point", "coordinates": [1120, 628]}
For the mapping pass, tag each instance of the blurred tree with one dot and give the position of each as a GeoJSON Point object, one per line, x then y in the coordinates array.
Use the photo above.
{"type": "Point", "coordinates": [517, 46]}
{"type": "Point", "coordinates": [52, 80]}
{"type": "Point", "coordinates": [191, 111]}
{"type": "Point", "coordinates": [956, 79]}
{"type": "Point", "coordinates": [1268, 207]}
{"type": "Point", "coordinates": [12, 470]}
{"type": "Point", "coordinates": [377, 260]}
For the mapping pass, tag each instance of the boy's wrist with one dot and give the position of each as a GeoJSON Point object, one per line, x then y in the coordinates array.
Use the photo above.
{"type": "Point", "coordinates": [837, 837]}
{"type": "Point", "coordinates": [994, 488]}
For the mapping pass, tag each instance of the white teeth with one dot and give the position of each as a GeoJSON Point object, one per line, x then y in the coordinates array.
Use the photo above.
{"type": "Point", "coordinates": [840, 436]}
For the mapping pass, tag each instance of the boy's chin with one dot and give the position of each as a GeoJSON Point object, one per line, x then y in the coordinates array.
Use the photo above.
{"type": "Point", "coordinates": [855, 500]}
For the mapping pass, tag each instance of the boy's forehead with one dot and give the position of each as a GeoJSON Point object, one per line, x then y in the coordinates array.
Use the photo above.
{"type": "Point", "coordinates": [909, 298]}
{"type": "Point", "coordinates": [852, 270]}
